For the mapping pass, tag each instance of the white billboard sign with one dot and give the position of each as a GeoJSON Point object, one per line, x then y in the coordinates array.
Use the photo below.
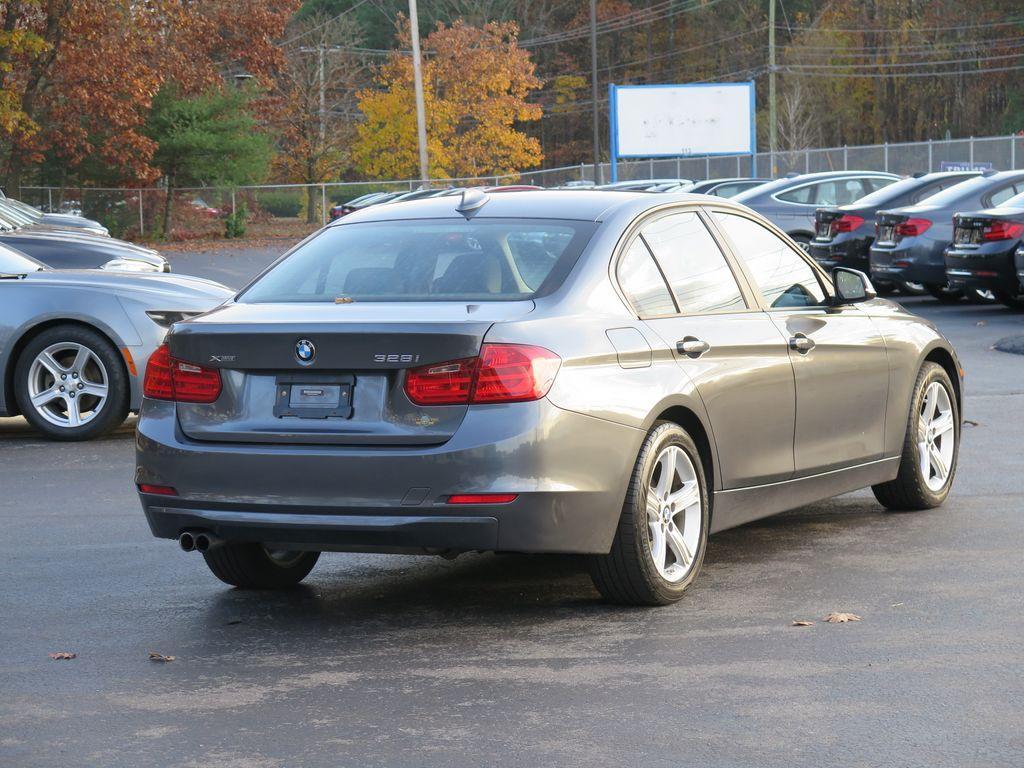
{"type": "Point", "coordinates": [681, 120]}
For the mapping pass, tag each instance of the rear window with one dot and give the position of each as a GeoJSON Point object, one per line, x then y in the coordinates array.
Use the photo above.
{"type": "Point", "coordinates": [427, 260]}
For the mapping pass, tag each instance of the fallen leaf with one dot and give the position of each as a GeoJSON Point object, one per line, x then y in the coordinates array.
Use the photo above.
{"type": "Point", "coordinates": [63, 656]}
{"type": "Point", "coordinates": [802, 623]}
{"type": "Point", "coordinates": [841, 618]}
{"type": "Point", "coordinates": [969, 423]}
{"type": "Point", "coordinates": [896, 605]}
{"type": "Point", "coordinates": [154, 656]}
{"type": "Point", "coordinates": [981, 322]}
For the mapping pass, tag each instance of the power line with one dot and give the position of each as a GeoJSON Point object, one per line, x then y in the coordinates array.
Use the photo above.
{"type": "Point", "coordinates": [957, 28]}
{"type": "Point", "coordinates": [323, 24]}
{"type": "Point", "coordinates": [815, 71]}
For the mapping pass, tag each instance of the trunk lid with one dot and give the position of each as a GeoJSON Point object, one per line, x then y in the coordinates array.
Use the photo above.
{"type": "Point", "coordinates": [350, 388]}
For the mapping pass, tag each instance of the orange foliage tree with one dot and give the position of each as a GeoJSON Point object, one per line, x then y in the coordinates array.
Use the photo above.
{"type": "Point", "coordinates": [476, 80]}
{"type": "Point", "coordinates": [82, 93]}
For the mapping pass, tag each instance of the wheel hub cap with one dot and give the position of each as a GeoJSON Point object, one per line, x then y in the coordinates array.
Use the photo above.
{"type": "Point", "coordinates": [674, 514]}
{"type": "Point", "coordinates": [936, 436]}
{"type": "Point", "coordinates": [68, 384]}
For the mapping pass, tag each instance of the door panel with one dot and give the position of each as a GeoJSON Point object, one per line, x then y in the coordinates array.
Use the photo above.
{"type": "Point", "coordinates": [842, 385]}
{"type": "Point", "coordinates": [745, 379]}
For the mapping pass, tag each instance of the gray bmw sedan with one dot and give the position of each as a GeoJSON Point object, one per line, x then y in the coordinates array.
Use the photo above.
{"type": "Point", "coordinates": [613, 374]}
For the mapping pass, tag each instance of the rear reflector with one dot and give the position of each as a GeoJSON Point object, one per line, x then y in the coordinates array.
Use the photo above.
{"type": "Point", "coordinates": [159, 490]}
{"type": "Point", "coordinates": [503, 373]}
{"type": "Point", "coordinates": [482, 498]}
{"type": "Point", "coordinates": [168, 378]}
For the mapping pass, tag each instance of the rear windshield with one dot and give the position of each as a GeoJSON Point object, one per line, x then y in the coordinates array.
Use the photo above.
{"type": "Point", "coordinates": [953, 194]}
{"type": "Point", "coordinates": [426, 260]}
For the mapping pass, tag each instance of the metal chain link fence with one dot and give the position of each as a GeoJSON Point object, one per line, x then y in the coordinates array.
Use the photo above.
{"type": "Point", "coordinates": [291, 210]}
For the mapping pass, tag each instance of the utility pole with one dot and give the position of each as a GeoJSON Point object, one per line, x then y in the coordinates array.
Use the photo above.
{"type": "Point", "coordinates": [323, 100]}
{"type": "Point", "coordinates": [417, 75]}
{"type": "Point", "coordinates": [593, 88]}
{"type": "Point", "coordinates": [772, 136]}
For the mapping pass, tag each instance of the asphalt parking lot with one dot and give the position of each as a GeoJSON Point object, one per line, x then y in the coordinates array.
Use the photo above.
{"type": "Point", "coordinates": [513, 660]}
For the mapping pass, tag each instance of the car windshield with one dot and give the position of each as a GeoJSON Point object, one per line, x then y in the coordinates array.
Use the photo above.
{"type": "Point", "coordinates": [957, 192]}
{"type": "Point", "coordinates": [14, 263]}
{"type": "Point", "coordinates": [13, 215]}
{"type": "Point", "coordinates": [426, 260]}
{"type": "Point", "coordinates": [889, 192]}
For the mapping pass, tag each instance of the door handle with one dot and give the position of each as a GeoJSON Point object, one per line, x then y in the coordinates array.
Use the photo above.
{"type": "Point", "coordinates": [801, 343]}
{"type": "Point", "coordinates": [691, 346]}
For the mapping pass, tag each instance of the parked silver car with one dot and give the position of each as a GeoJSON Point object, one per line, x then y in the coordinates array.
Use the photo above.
{"type": "Point", "coordinates": [74, 343]}
{"type": "Point", "coordinates": [790, 203]}
{"type": "Point", "coordinates": [615, 374]}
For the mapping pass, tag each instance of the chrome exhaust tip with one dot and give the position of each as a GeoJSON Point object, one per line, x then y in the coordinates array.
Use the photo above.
{"type": "Point", "coordinates": [187, 541]}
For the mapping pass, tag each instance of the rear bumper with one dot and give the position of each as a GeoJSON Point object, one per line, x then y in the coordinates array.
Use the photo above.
{"type": "Point", "coordinates": [569, 472]}
{"type": "Point", "coordinates": [987, 269]}
{"type": "Point", "coordinates": [851, 253]}
{"type": "Point", "coordinates": [911, 262]}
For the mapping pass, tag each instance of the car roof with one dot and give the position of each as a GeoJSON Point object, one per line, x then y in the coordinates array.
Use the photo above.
{"type": "Point", "coordinates": [788, 182]}
{"type": "Point", "coordinates": [536, 204]}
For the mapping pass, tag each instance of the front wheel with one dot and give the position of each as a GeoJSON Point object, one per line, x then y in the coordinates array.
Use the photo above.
{"type": "Point", "coordinates": [944, 293]}
{"type": "Point", "coordinates": [252, 566]}
{"type": "Point", "coordinates": [70, 383]}
{"type": "Point", "coordinates": [663, 529]}
{"type": "Point", "coordinates": [931, 447]}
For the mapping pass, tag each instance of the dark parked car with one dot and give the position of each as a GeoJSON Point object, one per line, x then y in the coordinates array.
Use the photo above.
{"type": "Point", "coordinates": [552, 371]}
{"type": "Point", "coordinates": [987, 253]}
{"type": "Point", "coordinates": [343, 209]}
{"type": "Point", "coordinates": [62, 220]}
{"type": "Point", "coordinates": [726, 187]}
{"type": "Point", "coordinates": [644, 185]}
{"type": "Point", "coordinates": [790, 203]}
{"type": "Point", "coordinates": [843, 234]}
{"type": "Point", "coordinates": [66, 249]}
{"type": "Point", "coordinates": [911, 241]}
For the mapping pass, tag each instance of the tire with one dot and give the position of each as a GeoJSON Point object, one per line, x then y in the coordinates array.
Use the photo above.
{"type": "Point", "coordinates": [913, 289]}
{"type": "Point", "coordinates": [944, 293]}
{"type": "Point", "coordinates": [804, 241]}
{"type": "Point", "coordinates": [82, 362]}
{"type": "Point", "coordinates": [884, 288]}
{"type": "Point", "coordinates": [250, 566]}
{"type": "Point", "coordinates": [628, 575]}
{"type": "Point", "coordinates": [911, 490]}
{"type": "Point", "coordinates": [1013, 302]}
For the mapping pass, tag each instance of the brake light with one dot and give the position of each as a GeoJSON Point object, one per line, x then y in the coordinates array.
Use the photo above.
{"type": "Point", "coordinates": [912, 227]}
{"type": "Point", "coordinates": [168, 378]}
{"type": "Point", "coordinates": [1003, 230]}
{"type": "Point", "coordinates": [846, 223]}
{"type": "Point", "coordinates": [503, 373]}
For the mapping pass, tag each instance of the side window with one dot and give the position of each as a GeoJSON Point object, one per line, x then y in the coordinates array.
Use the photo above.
{"type": "Point", "coordinates": [729, 190]}
{"type": "Point", "coordinates": [642, 282]}
{"type": "Point", "coordinates": [784, 278]}
{"type": "Point", "coordinates": [695, 266]}
{"type": "Point", "coordinates": [798, 195]}
{"type": "Point", "coordinates": [1001, 195]}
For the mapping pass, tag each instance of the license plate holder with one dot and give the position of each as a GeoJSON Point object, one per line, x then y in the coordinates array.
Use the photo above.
{"type": "Point", "coordinates": [314, 397]}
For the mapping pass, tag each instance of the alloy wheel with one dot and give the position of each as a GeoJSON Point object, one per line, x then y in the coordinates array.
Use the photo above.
{"type": "Point", "coordinates": [936, 436]}
{"type": "Point", "coordinates": [674, 514]}
{"type": "Point", "coordinates": [68, 384]}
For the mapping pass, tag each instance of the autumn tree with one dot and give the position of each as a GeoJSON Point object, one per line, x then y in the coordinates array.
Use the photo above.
{"type": "Point", "coordinates": [314, 91]}
{"type": "Point", "coordinates": [83, 95]}
{"type": "Point", "coordinates": [205, 140]}
{"type": "Point", "coordinates": [476, 84]}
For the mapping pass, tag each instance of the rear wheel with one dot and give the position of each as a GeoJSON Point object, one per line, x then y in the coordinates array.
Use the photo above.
{"type": "Point", "coordinates": [1011, 301]}
{"type": "Point", "coordinates": [663, 530]}
{"type": "Point", "coordinates": [913, 289]}
{"type": "Point", "coordinates": [70, 383]}
{"type": "Point", "coordinates": [944, 293]}
{"type": "Point", "coordinates": [931, 447]}
{"type": "Point", "coordinates": [252, 566]}
{"type": "Point", "coordinates": [803, 241]}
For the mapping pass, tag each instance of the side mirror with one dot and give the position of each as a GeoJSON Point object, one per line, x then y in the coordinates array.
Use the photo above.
{"type": "Point", "coordinates": [852, 286]}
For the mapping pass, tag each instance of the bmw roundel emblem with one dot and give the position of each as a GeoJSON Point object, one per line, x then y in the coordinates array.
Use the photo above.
{"type": "Point", "coordinates": [305, 351]}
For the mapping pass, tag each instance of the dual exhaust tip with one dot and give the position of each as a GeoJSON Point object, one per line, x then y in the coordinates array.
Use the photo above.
{"type": "Point", "coordinates": [198, 541]}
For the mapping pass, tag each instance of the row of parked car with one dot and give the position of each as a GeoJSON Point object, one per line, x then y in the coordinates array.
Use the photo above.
{"type": "Point", "coordinates": [952, 234]}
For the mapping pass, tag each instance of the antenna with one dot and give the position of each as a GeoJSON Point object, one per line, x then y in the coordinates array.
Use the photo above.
{"type": "Point", "coordinates": [472, 201]}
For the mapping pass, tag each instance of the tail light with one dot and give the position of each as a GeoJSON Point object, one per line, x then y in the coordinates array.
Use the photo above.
{"type": "Point", "coordinates": [1003, 230]}
{"type": "Point", "coordinates": [168, 378]}
{"type": "Point", "coordinates": [482, 498]}
{"type": "Point", "coordinates": [912, 227]}
{"type": "Point", "coordinates": [503, 373]}
{"type": "Point", "coordinates": [846, 223]}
